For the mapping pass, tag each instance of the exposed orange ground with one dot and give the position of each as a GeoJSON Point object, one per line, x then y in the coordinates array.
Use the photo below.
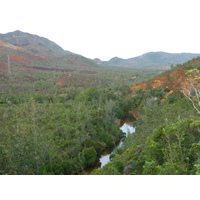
{"type": "Point", "coordinates": [18, 58]}
{"type": "Point", "coordinates": [176, 80]}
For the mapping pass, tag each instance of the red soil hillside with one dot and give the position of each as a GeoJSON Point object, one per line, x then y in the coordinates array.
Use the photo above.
{"type": "Point", "coordinates": [174, 79]}
{"type": "Point", "coordinates": [19, 58]}
{"type": "Point", "coordinates": [18, 54]}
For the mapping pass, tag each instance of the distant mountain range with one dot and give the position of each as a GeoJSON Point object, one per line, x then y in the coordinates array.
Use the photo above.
{"type": "Point", "coordinates": [151, 59]}
{"type": "Point", "coordinates": [28, 50]}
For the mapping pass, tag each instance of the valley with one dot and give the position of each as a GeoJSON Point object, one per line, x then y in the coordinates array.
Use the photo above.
{"type": "Point", "coordinates": [59, 111]}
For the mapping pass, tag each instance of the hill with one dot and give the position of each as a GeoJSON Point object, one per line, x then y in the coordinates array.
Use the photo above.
{"type": "Point", "coordinates": [153, 59]}
{"type": "Point", "coordinates": [31, 50]}
{"type": "Point", "coordinates": [32, 43]}
{"type": "Point", "coordinates": [175, 79]}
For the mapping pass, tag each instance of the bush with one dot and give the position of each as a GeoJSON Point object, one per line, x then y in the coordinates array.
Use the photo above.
{"type": "Point", "coordinates": [119, 166]}
{"type": "Point", "coordinates": [89, 156]}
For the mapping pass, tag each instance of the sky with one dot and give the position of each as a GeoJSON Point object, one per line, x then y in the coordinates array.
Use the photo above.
{"type": "Point", "coordinates": [107, 28]}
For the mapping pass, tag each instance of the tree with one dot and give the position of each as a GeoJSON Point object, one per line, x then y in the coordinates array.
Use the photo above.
{"type": "Point", "coordinates": [173, 149]}
{"type": "Point", "coordinates": [89, 156]}
{"type": "Point", "coordinates": [192, 91]}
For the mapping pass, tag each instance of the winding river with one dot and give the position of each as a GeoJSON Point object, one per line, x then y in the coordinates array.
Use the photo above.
{"type": "Point", "coordinates": [105, 157]}
{"type": "Point", "coordinates": [127, 128]}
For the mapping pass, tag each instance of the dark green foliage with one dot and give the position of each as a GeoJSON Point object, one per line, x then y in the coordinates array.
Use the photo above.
{"type": "Point", "coordinates": [175, 96]}
{"type": "Point", "coordinates": [123, 107]}
{"type": "Point", "coordinates": [119, 166]}
{"type": "Point", "coordinates": [89, 156]}
{"type": "Point", "coordinates": [45, 130]}
{"type": "Point", "coordinates": [106, 138]}
{"type": "Point", "coordinates": [175, 144]}
{"type": "Point", "coordinates": [167, 139]}
{"type": "Point", "coordinates": [59, 167]}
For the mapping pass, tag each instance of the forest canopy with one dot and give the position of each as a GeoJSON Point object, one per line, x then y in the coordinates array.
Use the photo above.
{"type": "Point", "coordinates": [59, 123]}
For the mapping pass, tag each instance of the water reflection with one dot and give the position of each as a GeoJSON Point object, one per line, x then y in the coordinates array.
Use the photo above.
{"type": "Point", "coordinates": [127, 128]}
{"type": "Point", "coordinates": [105, 157]}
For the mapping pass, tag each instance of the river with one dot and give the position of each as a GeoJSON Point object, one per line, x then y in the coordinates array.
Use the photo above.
{"type": "Point", "coordinates": [127, 128]}
{"type": "Point", "coordinates": [105, 158]}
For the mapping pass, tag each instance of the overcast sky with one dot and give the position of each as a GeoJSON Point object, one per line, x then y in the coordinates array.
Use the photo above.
{"type": "Point", "coordinates": [107, 28]}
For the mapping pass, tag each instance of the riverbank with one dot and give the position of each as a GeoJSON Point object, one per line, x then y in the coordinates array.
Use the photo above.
{"type": "Point", "coordinates": [126, 125]}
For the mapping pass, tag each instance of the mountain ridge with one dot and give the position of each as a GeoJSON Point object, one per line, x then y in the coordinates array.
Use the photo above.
{"type": "Point", "coordinates": [157, 59]}
{"type": "Point", "coordinates": [32, 49]}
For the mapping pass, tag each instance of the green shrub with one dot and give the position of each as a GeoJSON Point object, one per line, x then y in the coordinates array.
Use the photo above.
{"type": "Point", "coordinates": [89, 156]}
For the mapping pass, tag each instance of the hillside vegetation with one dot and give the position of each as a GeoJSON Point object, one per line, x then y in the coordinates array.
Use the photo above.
{"type": "Point", "coordinates": [59, 122]}
{"type": "Point", "coordinates": [167, 134]}
{"type": "Point", "coordinates": [57, 119]}
{"type": "Point", "coordinates": [58, 112]}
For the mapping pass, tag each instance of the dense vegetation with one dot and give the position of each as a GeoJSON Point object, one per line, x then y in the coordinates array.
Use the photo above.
{"type": "Point", "coordinates": [47, 130]}
{"type": "Point", "coordinates": [53, 127]}
{"type": "Point", "coordinates": [167, 134]}
{"type": "Point", "coordinates": [166, 139]}
{"type": "Point", "coordinates": [58, 111]}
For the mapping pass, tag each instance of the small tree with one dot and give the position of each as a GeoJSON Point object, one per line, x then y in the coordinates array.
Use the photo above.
{"type": "Point", "coordinates": [89, 156]}
{"type": "Point", "coordinates": [192, 92]}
